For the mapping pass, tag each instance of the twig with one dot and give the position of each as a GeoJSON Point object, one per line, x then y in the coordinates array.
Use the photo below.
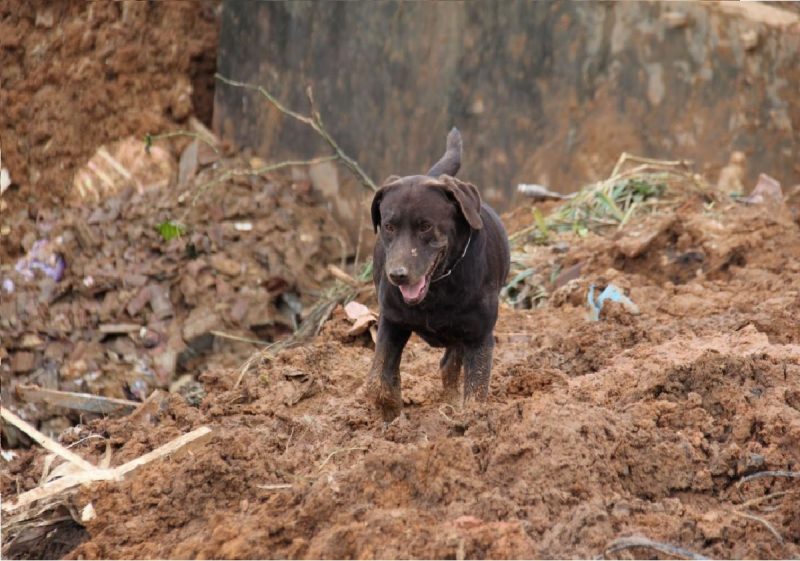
{"type": "Point", "coordinates": [275, 486]}
{"type": "Point", "coordinates": [760, 474]}
{"type": "Point", "coordinates": [625, 156]}
{"type": "Point", "coordinates": [339, 451]}
{"type": "Point", "coordinates": [627, 543]}
{"type": "Point", "coordinates": [758, 500]}
{"type": "Point", "coordinates": [252, 358]}
{"type": "Point", "coordinates": [45, 441]}
{"type": "Point", "coordinates": [315, 122]}
{"type": "Point", "coordinates": [224, 335]}
{"type": "Point", "coordinates": [343, 276]}
{"type": "Point", "coordinates": [761, 521]}
{"type": "Point", "coordinates": [74, 400]}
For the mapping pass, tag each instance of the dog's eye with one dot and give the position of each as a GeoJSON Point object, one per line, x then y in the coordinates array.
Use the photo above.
{"type": "Point", "coordinates": [388, 227]}
{"type": "Point", "coordinates": [425, 227]}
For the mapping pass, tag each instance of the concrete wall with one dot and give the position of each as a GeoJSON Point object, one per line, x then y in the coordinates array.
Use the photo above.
{"type": "Point", "coordinates": [546, 92]}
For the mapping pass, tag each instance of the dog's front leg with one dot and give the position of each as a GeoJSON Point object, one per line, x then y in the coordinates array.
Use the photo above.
{"type": "Point", "coordinates": [478, 369]}
{"type": "Point", "coordinates": [384, 375]}
{"type": "Point", "coordinates": [450, 370]}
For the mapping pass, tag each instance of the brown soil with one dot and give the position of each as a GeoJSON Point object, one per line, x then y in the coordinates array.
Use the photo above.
{"type": "Point", "coordinates": [78, 74]}
{"type": "Point", "coordinates": [633, 425]}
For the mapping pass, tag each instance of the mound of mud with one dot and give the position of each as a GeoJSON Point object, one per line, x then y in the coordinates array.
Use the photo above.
{"type": "Point", "coordinates": [634, 425]}
{"type": "Point", "coordinates": [77, 75]}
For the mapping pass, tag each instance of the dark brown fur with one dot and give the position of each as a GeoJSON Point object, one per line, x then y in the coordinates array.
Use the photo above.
{"type": "Point", "coordinates": [435, 227]}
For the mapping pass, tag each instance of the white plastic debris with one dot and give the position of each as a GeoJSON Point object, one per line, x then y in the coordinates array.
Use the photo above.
{"type": "Point", "coordinates": [5, 177]}
{"type": "Point", "coordinates": [539, 192]}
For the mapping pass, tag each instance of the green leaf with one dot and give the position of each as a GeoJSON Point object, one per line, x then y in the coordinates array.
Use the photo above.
{"type": "Point", "coordinates": [612, 206]}
{"type": "Point", "coordinates": [170, 230]}
{"type": "Point", "coordinates": [148, 143]}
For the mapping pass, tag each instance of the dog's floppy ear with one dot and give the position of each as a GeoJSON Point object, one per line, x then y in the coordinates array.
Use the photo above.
{"type": "Point", "coordinates": [390, 183]}
{"type": "Point", "coordinates": [467, 198]}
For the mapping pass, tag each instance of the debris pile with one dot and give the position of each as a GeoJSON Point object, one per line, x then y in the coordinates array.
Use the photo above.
{"type": "Point", "coordinates": [118, 297]}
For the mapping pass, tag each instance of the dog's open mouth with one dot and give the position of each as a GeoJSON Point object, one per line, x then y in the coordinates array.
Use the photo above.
{"type": "Point", "coordinates": [415, 293]}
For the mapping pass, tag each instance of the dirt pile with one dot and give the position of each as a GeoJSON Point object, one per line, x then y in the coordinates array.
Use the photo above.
{"type": "Point", "coordinates": [77, 75]}
{"type": "Point", "coordinates": [633, 425]}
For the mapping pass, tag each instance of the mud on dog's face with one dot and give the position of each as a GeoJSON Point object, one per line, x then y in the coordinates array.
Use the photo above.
{"type": "Point", "coordinates": [420, 218]}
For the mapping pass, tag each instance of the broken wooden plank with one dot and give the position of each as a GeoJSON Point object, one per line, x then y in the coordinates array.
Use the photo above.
{"type": "Point", "coordinates": [43, 440]}
{"type": "Point", "coordinates": [180, 446]}
{"type": "Point", "coordinates": [116, 328]}
{"type": "Point", "coordinates": [175, 449]}
{"type": "Point", "coordinates": [75, 400]}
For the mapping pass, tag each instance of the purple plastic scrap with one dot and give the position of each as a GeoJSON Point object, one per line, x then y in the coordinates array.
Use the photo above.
{"type": "Point", "coordinates": [42, 257]}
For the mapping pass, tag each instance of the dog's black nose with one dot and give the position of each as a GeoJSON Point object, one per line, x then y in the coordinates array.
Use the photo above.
{"type": "Point", "coordinates": [399, 275]}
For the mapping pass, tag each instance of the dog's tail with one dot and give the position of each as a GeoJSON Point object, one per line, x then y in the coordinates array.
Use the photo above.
{"type": "Point", "coordinates": [450, 163]}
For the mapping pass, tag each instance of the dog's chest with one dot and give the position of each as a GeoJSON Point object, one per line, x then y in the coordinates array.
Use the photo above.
{"type": "Point", "coordinates": [440, 326]}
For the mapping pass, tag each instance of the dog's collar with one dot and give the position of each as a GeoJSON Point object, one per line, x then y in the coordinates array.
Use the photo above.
{"type": "Point", "coordinates": [450, 270]}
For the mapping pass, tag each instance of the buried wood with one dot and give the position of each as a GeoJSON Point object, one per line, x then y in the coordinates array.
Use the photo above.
{"type": "Point", "coordinates": [74, 400]}
{"type": "Point", "coordinates": [180, 446]}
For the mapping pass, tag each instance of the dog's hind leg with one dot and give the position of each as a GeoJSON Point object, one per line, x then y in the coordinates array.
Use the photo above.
{"type": "Point", "coordinates": [450, 369]}
{"type": "Point", "coordinates": [384, 375]}
{"type": "Point", "coordinates": [478, 369]}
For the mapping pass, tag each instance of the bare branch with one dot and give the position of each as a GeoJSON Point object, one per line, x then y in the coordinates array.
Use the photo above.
{"type": "Point", "coordinates": [315, 122]}
{"type": "Point", "coordinates": [637, 541]}
{"type": "Point", "coordinates": [761, 521]}
{"type": "Point", "coordinates": [761, 474]}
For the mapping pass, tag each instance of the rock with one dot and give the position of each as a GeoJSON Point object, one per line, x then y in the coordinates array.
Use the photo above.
{"type": "Point", "coordinates": [31, 341]}
{"type": "Point", "coordinates": [158, 298]}
{"type": "Point", "coordinates": [750, 39]}
{"type": "Point", "coordinates": [225, 265]}
{"type": "Point", "coordinates": [200, 322]}
{"type": "Point", "coordinates": [23, 361]}
{"type": "Point", "coordinates": [675, 20]}
{"type": "Point", "coordinates": [637, 240]}
{"type": "Point", "coordinates": [180, 98]}
{"type": "Point", "coordinates": [190, 389]}
{"type": "Point", "coordinates": [187, 168]}
{"type": "Point", "coordinates": [45, 18]}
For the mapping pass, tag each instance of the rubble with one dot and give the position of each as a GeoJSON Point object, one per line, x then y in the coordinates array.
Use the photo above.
{"type": "Point", "coordinates": [103, 280]}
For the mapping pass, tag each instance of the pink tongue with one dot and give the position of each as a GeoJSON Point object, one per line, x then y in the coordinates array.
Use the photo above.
{"type": "Point", "coordinates": [412, 291]}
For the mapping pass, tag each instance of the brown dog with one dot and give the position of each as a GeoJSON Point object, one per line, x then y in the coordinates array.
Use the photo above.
{"type": "Point", "coordinates": [439, 264]}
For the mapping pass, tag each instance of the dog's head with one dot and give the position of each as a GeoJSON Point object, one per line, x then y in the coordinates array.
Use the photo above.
{"type": "Point", "coordinates": [422, 219]}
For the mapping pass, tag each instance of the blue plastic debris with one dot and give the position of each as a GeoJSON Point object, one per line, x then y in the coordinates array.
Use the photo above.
{"type": "Point", "coordinates": [612, 293]}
